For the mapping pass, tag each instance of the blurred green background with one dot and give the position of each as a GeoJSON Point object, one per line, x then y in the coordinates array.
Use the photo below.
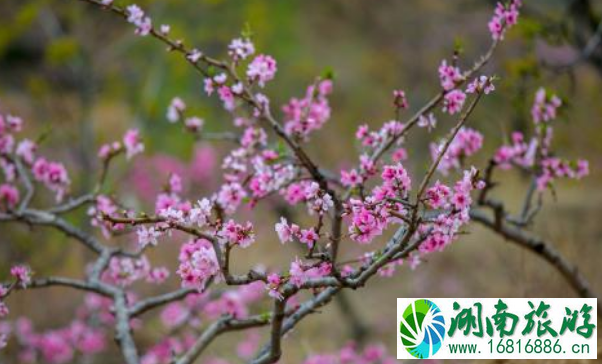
{"type": "Point", "coordinates": [81, 77]}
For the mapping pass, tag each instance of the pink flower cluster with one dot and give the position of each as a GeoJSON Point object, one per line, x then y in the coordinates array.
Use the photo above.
{"type": "Point", "coordinates": [505, 16]}
{"type": "Point", "coordinates": [58, 346]}
{"type": "Point", "coordinates": [310, 113]}
{"type": "Point", "coordinates": [241, 235]}
{"type": "Point", "coordinates": [317, 200]}
{"type": "Point", "coordinates": [455, 205]}
{"type": "Point", "coordinates": [137, 17]}
{"type": "Point", "coordinates": [230, 196]}
{"type": "Point", "coordinates": [175, 112]}
{"type": "Point", "coordinates": [545, 106]}
{"type": "Point", "coordinates": [104, 206]}
{"type": "Point", "coordinates": [371, 216]}
{"type": "Point", "coordinates": [449, 76]}
{"type": "Point", "coordinates": [184, 319]}
{"type": "Point", "coordinates": [148, 236]}
{"type": "Point", "coordinates": [553, 167]}
{"type": "Point", "coordinates": [536, 155]}
{"type": "Point", "coordinates": [300, 272]}
{"type": "Point", "coordinates": [453, 101]}
{"type": "Point", "coordinates": [126, 271]}
{"type": "Point", "coordinates": [482, 84]}
{"type": "Point", "coordinates": [240, 49]}
{"type": "Point", "coordinates": [9, 196]}
{"type": "Point", "coordinates": [53, 175]}
{"type": "Point", "coordinates": [466, 143]}
{"type": "Point", "coordinates": [198, 263]}
{"type": "Point", "coordinates": [262, 69]}
{"type": "Point", "coordinates": [132, 145]}
{"type": "Point", "coordinates": [518, 153]}
{"type": "Point", "coordinates": [22, 274]}
{"type": "Point", "coordinates": [373, 139]}
{"type": "Point", "coordinates": [287, 232]}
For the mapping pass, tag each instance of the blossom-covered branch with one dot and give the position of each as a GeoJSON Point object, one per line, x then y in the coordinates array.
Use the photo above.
{"type": "Point", "coordinates": [376, 205]}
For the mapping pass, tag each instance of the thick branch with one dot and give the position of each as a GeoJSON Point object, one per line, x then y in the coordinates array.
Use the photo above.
{"type": "Point", "coordinates": [540, 247]}
{"type": "Point", "coordinates": [225, 324]}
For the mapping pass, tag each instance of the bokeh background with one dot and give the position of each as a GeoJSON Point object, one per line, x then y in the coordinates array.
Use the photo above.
{"type": "Point", "coordinates": [80, 77]}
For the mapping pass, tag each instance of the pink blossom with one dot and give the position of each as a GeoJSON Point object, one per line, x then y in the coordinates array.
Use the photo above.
{"type": "Point", "coordinates": [368, 220]}
{"type": "Point", "coordinates": [286, 232]}
{"type": "Point", "coordinates": [240, 49]}
{"type": "Point", "coordinates": [227, 96]}
{"type": "Point", "coordinates": [273, 286]}
{"type": "Point", "coordinates": [4, 311]}
{"type": "Point", "coordinates": [7, 143]}
{"type": "Point", "coordinates": [310, 113]}
{"type": "Point", "coordinates": [262, 69]}
{"type": "Point", "coordinates": [449, 76]}
{"type": "Point", "coordinates": [545, 106]}
{"type": "Point", "coordinates": [147, 236]}
{"type": "Point", "coordinates": [351, 178]}
{"type": "Point", "coordinates": [294, 193]}
{"type": "Point", "coordinates": [300, 272]}
{"type": "Point", "coordinates": [158, 275]}
{"type": "Point", "coordinates": [200, 213]}
{"type": "Point", "coordinates": [504, 17]}
{"type": "Point", "coordinates": [309, 237]}
{"type": "Point", "coordinates": [429, 122]}
{"type": "Point", "coordinates": [175, 109]}
{"type": "Point", "coordinates": [238, 88]}
{"type": "Point", "coordinates": [519, 152]}
{"type": "Point", "coordinates": [438, 196]}
{"type": "Point", "coordinates": [194, 55]}
{"type": "Point", "coordinates": [26, 150]}
{"type": "Point", "coordinates": [397, 177]}
{"type": "Point", "coordinates": [209, 86]}
{"type": "Point", "coordinates": [132, 143]}
{"type": "Point", "coordinates": [198, 263]}
{"type": "Point", "coordinates": [399, 99]}
{"type": "Point", "coordinates": [230, 197]}
{"type": "Point", "coordinates": [124, 271]}
{"type": "Point", "coordinates": [164, 29]}
{"type": "Point", "coordinates": [466, 143]}
{"type": "Point", "coordinates": [238, 234]}
{"type": "Point", "coordinates": [175, 183]}
{"type": "Point", "coordinates": [9, 196]}
{"type": "Point", "coordinates": [55, 348]}
{"type": "Point", "coordinates": [22, 274]}
{"type": "Point", "coordinates": [53, 175]}
{"type": "Point", "coordinates": [174, 314]}
{"type": "Point", "coordinates": [480, 84]}
{"type": "Point", "coordinates": [230, 303]}
{"type": "Point", "coordinates": [220, 78]}
{"type": "Point", "coordinates": [14, 123]}
{"type": "Point", "coordinates": [399, 155]}
{"type": "Point", "coordinates": [137, 17]}
{"type": "Point", "coordinates": [453, 101]}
